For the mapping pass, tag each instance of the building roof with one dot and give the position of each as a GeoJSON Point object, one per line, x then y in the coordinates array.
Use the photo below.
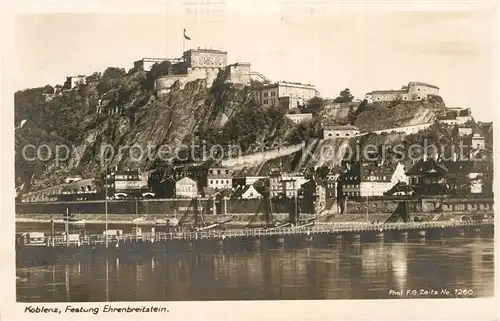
{"type": "Point", "coordinates": [417, 83]}
{"type": "Point", "coordinates": [153, 59]}
{"type": "Point", "coordinates": [287, 83]}
{"type": "Point", "coordinates": [430, 166]}
{"type": "Point", "coordinates": [206, 50]}
{"type": "Point", "coordinates": [242, 190]}
{"type": "Point", "coordinates": [390, 91]}
{"type": "Point", "coordinates": [185, 178]}
{"type": "Point", "coordinates": [400, 187]}
{"type": "Point", "coordinates": [338, 127]}
{"type": "Point", "coordinates": [294, 83]}
{"type": "Point", "coordinates": [240, 63]}
{"type": "Point", "coordinates": [444, 167]}
{"type": "Point", "coordinates": [363, 170]}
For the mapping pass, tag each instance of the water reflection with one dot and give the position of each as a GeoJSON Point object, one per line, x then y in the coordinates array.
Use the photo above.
{"type": "Point", "coordinates": [399, 252]}
{"type": "Point", "coordinates": [341, 270]}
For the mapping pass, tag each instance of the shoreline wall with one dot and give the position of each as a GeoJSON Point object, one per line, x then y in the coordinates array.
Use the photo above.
{"type": "Point", "coordinates": [231, 206]}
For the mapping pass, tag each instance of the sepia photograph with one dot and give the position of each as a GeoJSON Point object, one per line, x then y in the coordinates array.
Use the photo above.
{"type": "Point", "coordinates": [307, 152]}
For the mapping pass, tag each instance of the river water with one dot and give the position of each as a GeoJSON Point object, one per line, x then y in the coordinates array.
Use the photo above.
{"type": "Point", "coordinates": [448, 267]}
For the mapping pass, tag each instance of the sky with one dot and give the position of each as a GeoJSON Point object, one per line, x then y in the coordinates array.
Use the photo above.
{"type": "Point", "coordinates": [363, 50]}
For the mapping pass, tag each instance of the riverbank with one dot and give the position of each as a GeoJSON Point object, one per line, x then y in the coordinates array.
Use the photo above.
{"type": "Point", "coordinates": [236, 219]}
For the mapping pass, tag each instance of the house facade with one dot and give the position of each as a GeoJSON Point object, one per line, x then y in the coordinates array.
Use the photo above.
{"type": "Point", "coordinates": [314, 196]}
{"type": "Point", "coordinates": [330, 132]}
{"type": "Point", "coordinates": [186, 188]}
{"type": "Point", "coordinates": [364, 179]}
{"type": "Point", "coordinates": [246, 192]}
{"type": "Point", "coordinates": [219, 177]}
{"type": "Point", "coordinates": [299, 118]}
{"type": "Point", "coordinates": [73, 81]}
{"type": "Point", "coordinates": [292, 95]}
{"type": "Point", "coordinates": [127, 184]}
{"type": "Point", "coordinates": [434, 177]}
{"type": "Point", "coordinates": [413, 91]}
{"type": "Point", "coordinates": [285, 184]}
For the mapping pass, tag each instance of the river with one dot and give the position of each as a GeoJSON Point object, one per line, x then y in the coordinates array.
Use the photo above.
{"type": "Point", "coordinates": [336, 269]}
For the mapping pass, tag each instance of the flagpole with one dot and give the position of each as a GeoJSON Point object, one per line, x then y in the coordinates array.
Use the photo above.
{"type": "Point", "coordinates": [183, 42]}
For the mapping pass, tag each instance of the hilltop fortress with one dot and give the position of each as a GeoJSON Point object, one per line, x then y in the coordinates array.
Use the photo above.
{"type": "Point", "coordinates": [209, 63]}
{"type": "Point", "coordinates": [200, 64]}
{"type": "Point", "coordinates": [414, 91]}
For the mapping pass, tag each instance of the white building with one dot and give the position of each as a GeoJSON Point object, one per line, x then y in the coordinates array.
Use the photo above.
{"type": "Point", "coordinates": [145, 64]}
{"type": "Point", "coordinates": [464, 131]}
{"type": "Point", "coordinates": [369, 179]}
{"type": "Point", "coordinates": [299, 118]}
{"type": "Point", "coordinates": [219, 177]}
{"type": "Point", "coordinates": [186, 188]}
{"type": "Point", "coordinates": [74, 81]}
{"type": "Point", "coordinates": [330, 132]}
{"type": "Point", "coordinates": [289, 94]}
{"type": "Point", "coordinates": [246, 192]}
{"type": "Point", "coordinates": [414, 91]}
{"type": "Point", "coordinates": [285, 184]}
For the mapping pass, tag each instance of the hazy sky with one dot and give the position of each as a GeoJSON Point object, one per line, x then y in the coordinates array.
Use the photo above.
{"type": "Point", "coordinates": [331, 49]}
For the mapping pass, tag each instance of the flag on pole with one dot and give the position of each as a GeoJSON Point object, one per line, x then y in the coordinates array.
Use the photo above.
{"type": "Point", "coordinates": [185, 36]}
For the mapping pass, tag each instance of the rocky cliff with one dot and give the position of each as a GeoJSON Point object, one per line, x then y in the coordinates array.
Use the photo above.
{"type": "Point", "coordinates": [131, 114]}
{"type": "Point", "coordinates": [123, 111]}
{"type": "Point", "coordinates": [383, 115]}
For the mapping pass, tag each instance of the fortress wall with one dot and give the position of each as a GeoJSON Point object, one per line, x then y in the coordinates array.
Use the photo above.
{"type": "Point", "coordinates": [163, 84]}
{"type": "Point", "coordinates": [416, 91]}
{"type": "Point", "coordinates": [412, 129]}
{"type": "Point", "coordinates": [238, 73]}
{"type": "Point", "coordinates": [260, 157]}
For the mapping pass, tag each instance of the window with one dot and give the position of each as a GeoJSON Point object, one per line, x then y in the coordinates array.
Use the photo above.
{"type": "Point", "coordinates": [273, 93]}
{"type": "Point", "coordinates": [211, 181]}
{"type": "Point", "coordinates": [216, 181]}
{"type": "Point", "coordinates": [418, 89]}
{"type": "Point", "coordinates": [227, 171]}
{"type": "Point", "coordinates": [273, 100]}
{"type": "Point", "coordinates": [266, 94]}
{"type": "Point", "coordinates": [211, 171]}
{"type": "Point", "coordinates": [218, 171]}
{"type": "Point", "coordinates": [266, 101]}
{"type": "Point", "coordinates": [330, 135]}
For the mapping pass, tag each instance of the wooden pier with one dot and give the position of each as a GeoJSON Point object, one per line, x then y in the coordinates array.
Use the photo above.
{"type": "Point", "coordinates": [214, 234]}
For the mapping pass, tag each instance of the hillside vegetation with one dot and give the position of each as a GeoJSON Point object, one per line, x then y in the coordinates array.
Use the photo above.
{"type": "Point", "coordinates": [222, 114]}
{"type": "Point", "coordinates": [218, 114]}
{"type": "Point", "coordinates": [382, 115]}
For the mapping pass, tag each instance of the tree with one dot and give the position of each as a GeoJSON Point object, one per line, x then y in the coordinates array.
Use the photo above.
{"type": "Point", "coordinates": [103, 87]}
{"type": "Point", "coordinates": [315, 106]}
{"type": "Point", "coordinates": [322, 172]}
{"type": "Point", "coordinates": [113, 72]}
{"type": "Point", "coordinates": [94, 77]}
{"type": "Point", "coordinates": [345, 96]}
{"type": "Point", "coordinates": [123, 95]}
{"type": "Point", "coordinates": [157, 70]}
{"type": "Point", "coordinates": [48, 89]}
